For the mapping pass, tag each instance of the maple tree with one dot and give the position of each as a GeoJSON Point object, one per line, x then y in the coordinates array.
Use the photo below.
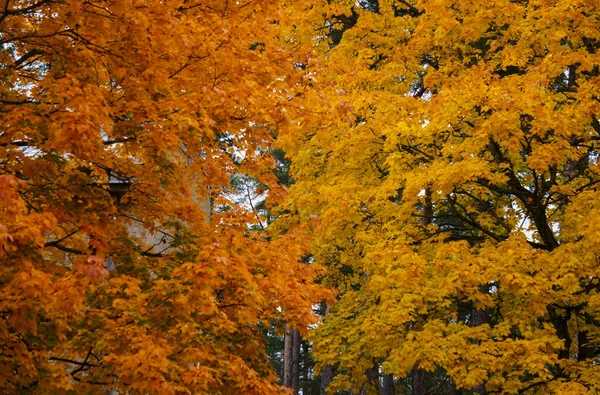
{"type": "Point", "coordinates": [121, 123]}
{"type": "Point", "coordinates": [448, 150]}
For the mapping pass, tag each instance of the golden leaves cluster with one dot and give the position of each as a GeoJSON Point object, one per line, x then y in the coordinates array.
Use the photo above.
{"type": "Point", "coordinates": [448, 150]}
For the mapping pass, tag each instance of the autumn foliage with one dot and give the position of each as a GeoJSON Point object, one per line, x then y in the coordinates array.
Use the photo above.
{"type": "Point", "coordinates": [445, 172]}
{"type": "Point", "coordinates": [451, 153]}
{"type": "Point", "coordinates": [121, 125]}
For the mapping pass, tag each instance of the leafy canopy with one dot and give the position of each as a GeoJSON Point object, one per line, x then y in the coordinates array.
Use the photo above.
{"type": "Point", "coordinates": [449, 151]}
{"type": "Point", "coordinates": [121, 125]}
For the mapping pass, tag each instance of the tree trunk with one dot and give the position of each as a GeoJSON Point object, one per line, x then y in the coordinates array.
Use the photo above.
{"type": "Point", "coordinates": [305, 368]}
{"type": "Point", "coordinates": [585, 350]}
{"type": "Point", "coordinates": [296, 361]}
{"type": "Point", "coordinates": [388, 385]}
{"type": "Point", "coordinates": [326, 378]}
{"type": "Point", "coordinates": [327, 370]}
{"type": "Point", "coordinates": [418, 378]}
{"type": "Point", "coordinates": [288, 342]}
{"type": "Point", "coordinates": [427, 207]}
{"type": "Point", "coordinates": [373, 379]}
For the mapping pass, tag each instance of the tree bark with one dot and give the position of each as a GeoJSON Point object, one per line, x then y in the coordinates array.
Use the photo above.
{"type": "Point", "coordinates": [388, 385]}
{"type": "Point", "coordinates": [427, 208]}
{"type": "Point", "coordinates": [418, 378]}
{"type": "Point", "coordinates": [326, 378]}
{"type": "Point", "coordinates": [305, 366]}
{"type": "Point", "coordinates": [373, 379]}
{"type": "Point", "coordinates": [585, 350]}
{"type": "Point", "coordinates": [327, 370]}
{"type": "Point", "coordinates": [288, 342]}
{"type": "Point", "coordinates": [296, 361]}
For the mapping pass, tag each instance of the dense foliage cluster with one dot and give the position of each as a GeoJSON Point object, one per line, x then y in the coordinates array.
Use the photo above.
{"type": "Point", "coordinates": [121, 124]}
{"type": "Point", "coordinates": [454, 172]}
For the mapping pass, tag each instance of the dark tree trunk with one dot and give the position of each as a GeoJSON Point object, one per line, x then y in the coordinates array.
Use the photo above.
{"type": "Point", "coordinates": [373, 378]}
{"type": "Point", "coordinates": [305, 368]}
{"type": "Point", "coordinates": [327, 370]}
{"type": "Point", "coordinates": [288, 342]}
{"type": "Point", "coordinates": [388, 385]}
{"type": "Point", "coordinates": [418, 379]}
{"type": "Point", "coordinates": [586, 348]}
{"type": "Point", "coordinates": [427, 208]}
{"type": "Point", "coordinates": [586, 351]}
{"type": "Point", "coordinates": [296, 361]}
{"type": "Point", "coordinates": [372, 381]}
{"type": "Point", "coordinates": [326, 378]}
